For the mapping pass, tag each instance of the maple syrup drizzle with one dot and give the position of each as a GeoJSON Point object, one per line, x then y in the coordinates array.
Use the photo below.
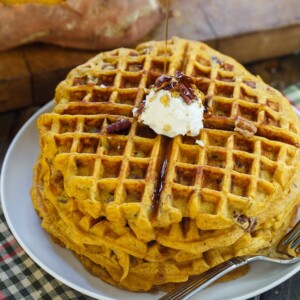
{"type": "Point", "coordinates": [166, 35]}
{"type": "Point", "coordinates": [166, 145]}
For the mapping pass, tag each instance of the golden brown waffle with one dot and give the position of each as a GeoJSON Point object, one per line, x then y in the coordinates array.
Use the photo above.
{"type": "Point", "coordinates": [113, 253]}
{"type": "Point", "coordinates": [117, 80]}
{"type": "Point", "coordinates": [141, 210]}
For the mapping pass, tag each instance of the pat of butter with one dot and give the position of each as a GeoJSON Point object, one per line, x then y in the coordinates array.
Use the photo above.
{"type": "Point", "coordinates": [168, 114]}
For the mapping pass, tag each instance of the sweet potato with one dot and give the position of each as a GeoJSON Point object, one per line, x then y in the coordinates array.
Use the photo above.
{"type": "Point", "coordinates": [84, 24]}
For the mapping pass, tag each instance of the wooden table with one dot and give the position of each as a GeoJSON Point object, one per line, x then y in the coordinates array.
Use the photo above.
{"type": "Point", "coordinates": [246, 30]}
{"type": "Point", "coordinates": [279, 73]}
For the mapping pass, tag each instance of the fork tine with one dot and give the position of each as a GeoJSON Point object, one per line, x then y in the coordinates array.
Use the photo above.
{"type": "Point", "coordinates": [296, 243]}
{"type": "Point", "coordinates": [290, 243]}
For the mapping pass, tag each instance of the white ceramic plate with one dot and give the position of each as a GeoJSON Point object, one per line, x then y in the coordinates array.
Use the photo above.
{"type": "Point", "coordinates": [60, 263]}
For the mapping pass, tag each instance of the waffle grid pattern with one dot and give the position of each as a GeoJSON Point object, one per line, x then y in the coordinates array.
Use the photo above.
{"type": "Point", "coordinates": [232, 91]}
{"type": "Point", "coordinates": [141, 210]}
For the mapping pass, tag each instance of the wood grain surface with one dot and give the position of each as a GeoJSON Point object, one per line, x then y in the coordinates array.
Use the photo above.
{"type": "Point", "coordinates": [246, 30]}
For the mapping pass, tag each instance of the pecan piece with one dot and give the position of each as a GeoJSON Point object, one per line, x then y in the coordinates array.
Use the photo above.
{"type": "Point", "coordinates": [118, 126]}
{"type": "Point", "coordinates": [248, 224]}
{"type": "Point", "coordinates": [186, 93]}
{"type": "Point", "coordinates": [162, 79]}
{"type": "Point", "coordinates": [170, 86]}
{"type": "Point", "coordinates": [179, 82]}
{"type": "Point", "coordinates": [244, 127]}
{"type": "Point", "coordinates": [184, 78]}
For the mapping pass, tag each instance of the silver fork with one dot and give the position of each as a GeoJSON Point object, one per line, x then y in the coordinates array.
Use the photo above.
{"type": "Point", "coordinates": [289, 245]}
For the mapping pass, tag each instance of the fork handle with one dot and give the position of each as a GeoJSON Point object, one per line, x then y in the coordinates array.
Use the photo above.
{"type": "Point", "coordinates": [194, 285]}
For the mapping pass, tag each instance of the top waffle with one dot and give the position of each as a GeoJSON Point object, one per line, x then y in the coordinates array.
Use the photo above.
{"type": "Point", "coordinates": [164, 200]}
{"type": "Point", "coordinates": [115, 81]}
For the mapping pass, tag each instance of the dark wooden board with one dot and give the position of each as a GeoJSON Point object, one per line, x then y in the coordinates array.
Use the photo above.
{"type": "Point", "coordinates": [247, 30]}
{"type": "Point", "coordinates": [15, 85]}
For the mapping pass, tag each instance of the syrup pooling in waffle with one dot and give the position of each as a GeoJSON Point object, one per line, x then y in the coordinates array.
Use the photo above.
{"type": "Point", "coordinates": [142, 210]}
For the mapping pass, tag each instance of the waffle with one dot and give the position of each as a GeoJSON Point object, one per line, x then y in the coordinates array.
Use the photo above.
{"type": "Point", "coordinates": [141, 210]}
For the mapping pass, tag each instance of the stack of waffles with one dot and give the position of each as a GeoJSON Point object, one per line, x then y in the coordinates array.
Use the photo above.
{"type": "Point", "coordinates": [141, 210]}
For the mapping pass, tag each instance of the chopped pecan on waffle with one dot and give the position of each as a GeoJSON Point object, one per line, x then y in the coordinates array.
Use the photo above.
{"type": "Point", "coordinates": [141, 210]}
